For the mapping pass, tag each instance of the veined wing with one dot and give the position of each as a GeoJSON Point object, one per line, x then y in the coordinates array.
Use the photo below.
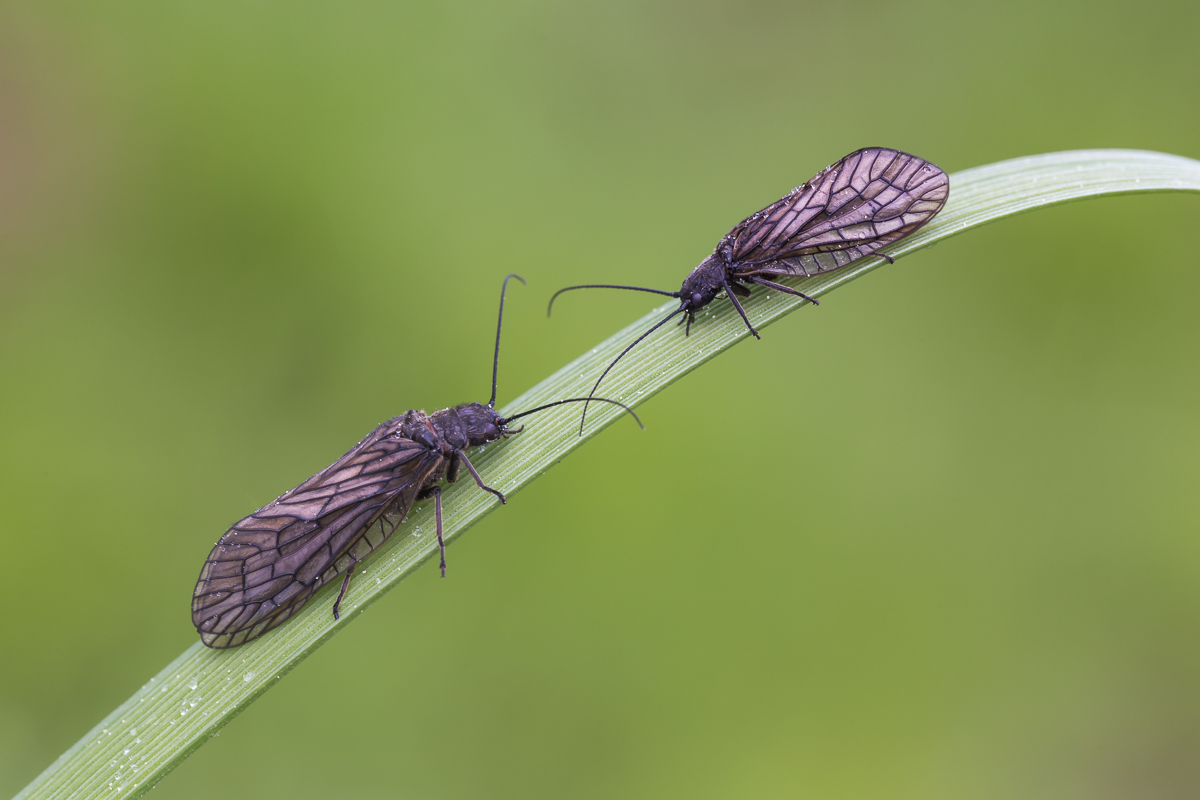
{"type": "Point", "coordinates": [267, 566]}
{"type": "Point", "coordinates": [866, 201]}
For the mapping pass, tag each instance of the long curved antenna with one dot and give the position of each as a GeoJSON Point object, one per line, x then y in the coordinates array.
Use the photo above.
{"type": "Point", "coordinates": [499, 322]}
{"type": "Point", "coordinates": [596, 385]}
{"type": "Point", "coordinates": [607, 286]}
{"type": "Point", "coordinates": [629, 410]}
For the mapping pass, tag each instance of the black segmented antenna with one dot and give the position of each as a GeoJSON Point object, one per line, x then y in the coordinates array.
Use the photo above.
{"type": "Point", "coordinates": [506, 420]}
{"type": "Point", "coordinates": [499, 322]}
{"type": "Point", "coordinates": [550, 305]}
{"type": "Point", "coordinates": [596, 385]}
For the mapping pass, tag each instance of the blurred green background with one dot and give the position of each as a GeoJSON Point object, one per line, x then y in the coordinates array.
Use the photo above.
{"type": "Point", "coordinates": [235, 236]}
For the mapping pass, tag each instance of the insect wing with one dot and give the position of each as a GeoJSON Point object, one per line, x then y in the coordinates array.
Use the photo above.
{"type": "Point", "coordinates": [267, 566]}
{"type": "Point", "coordinates": [866, 201]}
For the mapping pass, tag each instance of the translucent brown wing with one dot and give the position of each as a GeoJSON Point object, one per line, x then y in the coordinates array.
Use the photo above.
{"type": "Point", "coordinates": [866, 201]}
{"type": "Point", "coordinates": [267, 566]}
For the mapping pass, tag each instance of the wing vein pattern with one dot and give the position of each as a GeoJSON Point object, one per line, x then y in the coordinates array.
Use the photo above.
{"type": "Point", "coordinates": [268, 565]}
{"type": "Point", "coordinates": [852, 209]}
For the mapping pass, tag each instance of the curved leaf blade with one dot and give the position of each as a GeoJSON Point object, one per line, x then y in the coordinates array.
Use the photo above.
{"type": "Point", "coordinates": [202, 690]}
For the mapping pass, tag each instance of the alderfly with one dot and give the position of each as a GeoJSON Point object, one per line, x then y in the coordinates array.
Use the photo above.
{"type": "Point", "coordinates": [268, 565]}
{"type": "Point", "coordinates": [870, 199]}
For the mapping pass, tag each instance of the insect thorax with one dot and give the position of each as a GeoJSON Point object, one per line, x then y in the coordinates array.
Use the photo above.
{"type": "Point", "coordinates": [705, 282]}
{"type": "Point", "coordinates": [468, 425]}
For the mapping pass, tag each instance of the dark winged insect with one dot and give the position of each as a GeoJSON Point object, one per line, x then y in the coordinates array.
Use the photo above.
{"type": "Point", "coordinates": [870, 199]}
{"type": "Point", "coordinates": [268, 565]}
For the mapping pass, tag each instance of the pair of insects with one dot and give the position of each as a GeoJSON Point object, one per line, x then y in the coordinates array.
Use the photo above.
{"type": "Point", "coordinates": [268, 565]}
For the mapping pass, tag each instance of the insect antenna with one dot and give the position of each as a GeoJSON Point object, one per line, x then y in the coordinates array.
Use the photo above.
{"type": "Point", "coordinates": [596, 385]}
{"type": "Point", "coordinates": [499, 322]}
{"type": "Point", "coordinates": [607, 286]}
{"type": "Point", "coordinates": [506, 420]}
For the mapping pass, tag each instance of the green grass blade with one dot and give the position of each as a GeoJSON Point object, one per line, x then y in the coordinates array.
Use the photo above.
{"type": "Point", "coordinates": [198, 693]}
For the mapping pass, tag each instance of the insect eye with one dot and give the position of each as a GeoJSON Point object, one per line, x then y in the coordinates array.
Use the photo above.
{"type": "Point", "coordinates": [490, 431]}
{"type": "Point", "coordinates": [697, 298]}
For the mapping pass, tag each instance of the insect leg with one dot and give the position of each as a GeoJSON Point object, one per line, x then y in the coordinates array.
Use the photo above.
{"type": "Point", "coordinates": [739, 290]}
{"type": "Point", "coordinates": [885, 255]}
{"type": "Point", "coordinates": [453, 469]}
{"type": "Point", "coordinates": [437, 513]}
{"type": "Point", "coordinates": [733, 299]}
{"type": "Point", "coordinates": [478, 480]}
{"type": "Point", "coordinates": [779, 287]}
{"type": "Point", "coordinates": [342, 593]}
